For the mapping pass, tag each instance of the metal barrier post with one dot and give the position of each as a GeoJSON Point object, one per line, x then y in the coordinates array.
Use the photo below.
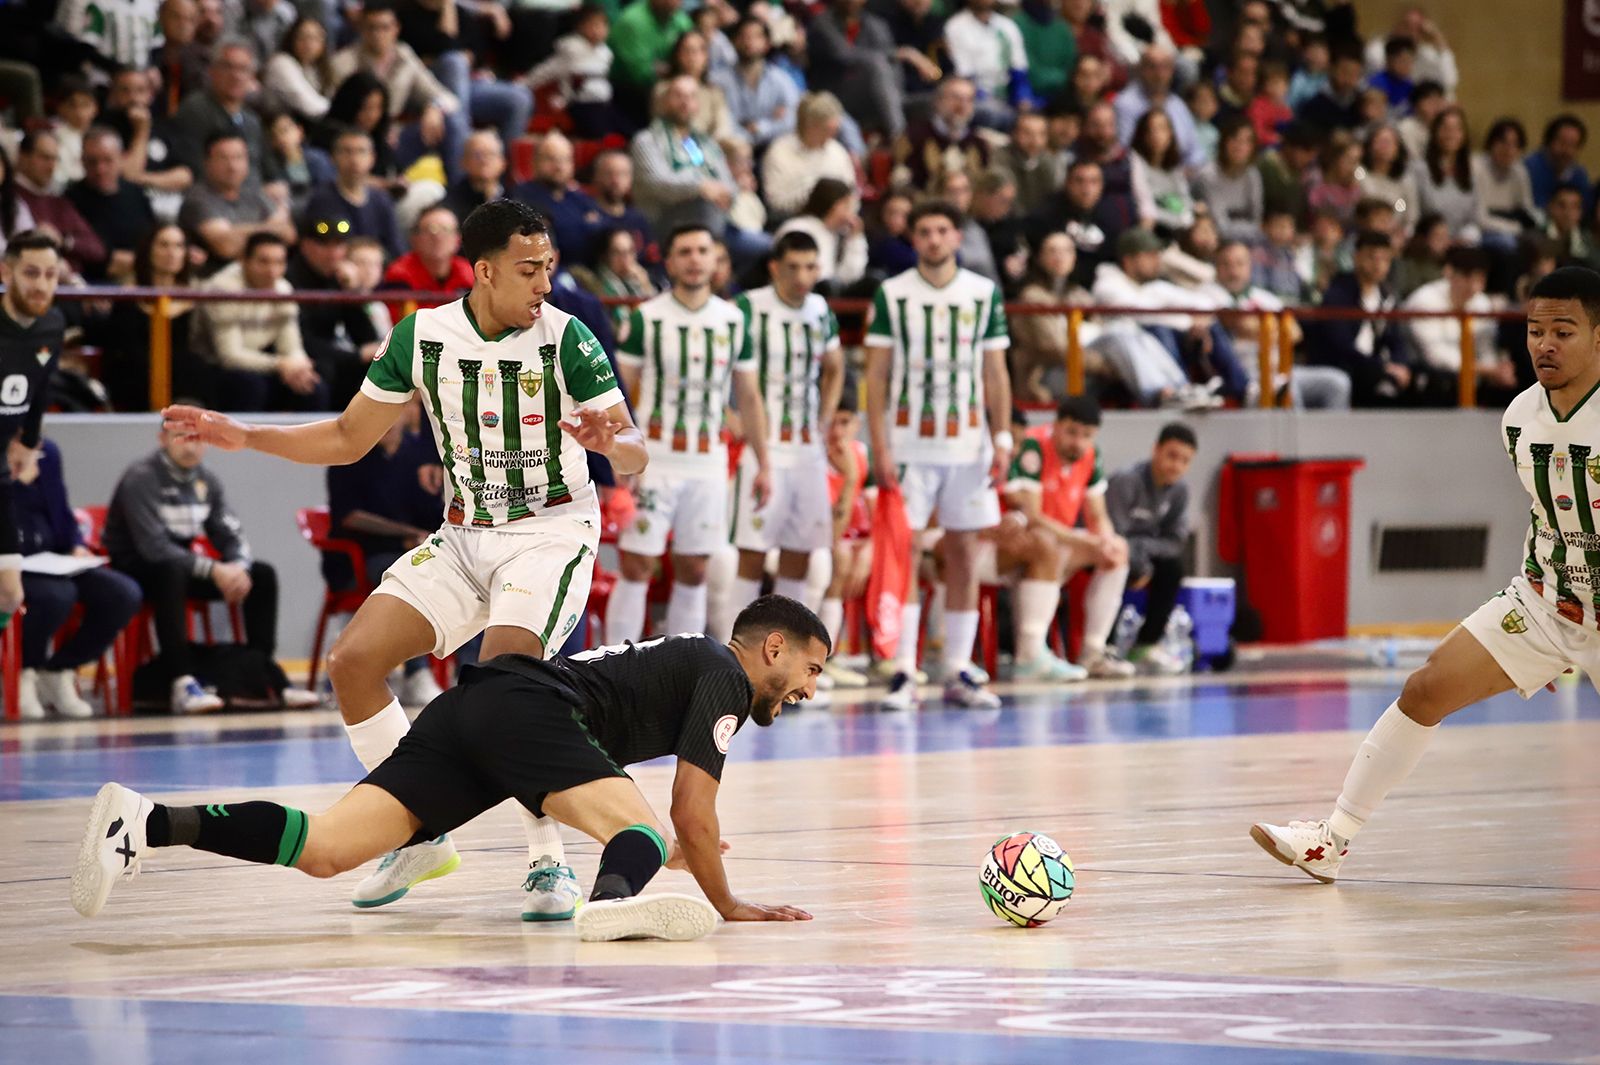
{"type": "Point", "coordinates": [1266, 346]}
{"type": "Point", "coordinates": [1286, 355]}
{"type": "Point", "coordinates": [1468, 381]}
{"type": "Point", "coordinates": [1074, 353]}
{"type": "Point", "coordinates": [161, 353]}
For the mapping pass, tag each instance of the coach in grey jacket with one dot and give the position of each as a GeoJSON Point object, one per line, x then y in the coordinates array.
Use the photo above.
{"type": "Point", "coordinates": [1149, 507]}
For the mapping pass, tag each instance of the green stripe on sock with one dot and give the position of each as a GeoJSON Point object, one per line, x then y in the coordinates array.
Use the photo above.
{"type": "Point", "coordinates": [294, 837]}
{"type": "Point", "coordinates": [653, 834]}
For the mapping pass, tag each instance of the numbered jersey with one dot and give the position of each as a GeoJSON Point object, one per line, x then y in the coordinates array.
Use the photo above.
{"type": "Point", "coordinates": [788, 344]}
{"type": "Point", "coordinates": [686, 359]}
{"type": "Point", "coordinates": [496, 403]}
{"type": "Point", "coordinates": [1558, 460]}
{"type": "Point", "coordinates": [938, 337]}
{"type": "Point", "coordinates": [28, 357]}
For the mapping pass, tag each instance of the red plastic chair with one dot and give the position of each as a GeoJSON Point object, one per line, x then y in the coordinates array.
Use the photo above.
{"type": "Point", "coordinates": [11, 663]}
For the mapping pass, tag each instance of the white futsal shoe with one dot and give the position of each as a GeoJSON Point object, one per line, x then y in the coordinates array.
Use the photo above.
{"type": "Point", "coordinates": [113, 843]}
{"type": "Point", "coordinates": [1049, 669]}
{"type": "Point", "coordinates": [1108, 666]}
{"type": "Point", "coordinates": [404, 869]}
{"type": "Point", "coordinates": [552, 891]}
{"type": "Point", "coordinates": [419, 689]}
{"type": "Point", "coordinates": [966, 690]}
{"type": "Point", "coordinates": [673, 917]}
{"type": "Point", "coordinates": [1307, 845]}
{"type": "Point", "coordinates": [902, 693]}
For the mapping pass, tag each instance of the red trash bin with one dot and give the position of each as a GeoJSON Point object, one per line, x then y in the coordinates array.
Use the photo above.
{"type": "Point", "coordinates": [1288, 522]}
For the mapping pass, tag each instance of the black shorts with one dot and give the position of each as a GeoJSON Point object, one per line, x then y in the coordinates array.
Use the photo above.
{"type": "Point", "coordinates": [501, 736]}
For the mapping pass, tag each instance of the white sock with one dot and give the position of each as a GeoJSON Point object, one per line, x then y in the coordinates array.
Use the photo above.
{"type": "Point", "coordinates": [910, 631]}
{"type": "Point", "coordinates": [544, 837]}
{"type": "Point", "coordinates": [743, 593]}
{"type": "Point", "coordinates": [832, 615]}
{"type": "Point", "coordinates": [1036, 608]}
{"type": "Point", "coordinates": [794, 589]}
{"type": "Point", "coordinates": [375, 739]}
{"type": "Point", "coordinates": [686, 608]}
{"type": "Point", "coordinates": [1387, 756]}
{"type": "Point", "coordinates": [960, 633]}
{"type": "Point", "coordinates": [625, 610]}
{"type": "Point", "coordinates": [1101, 604]}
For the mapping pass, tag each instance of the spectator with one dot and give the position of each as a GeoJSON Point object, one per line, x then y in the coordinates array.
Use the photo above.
{"type": "Point", "coordinates": [1338, 187]}
{"type": "Point", "coordinates": [853, 55]}
{"type": "Point", "coordinates": [1090, 84]}
{"type": "Point", "coordinates": [994, 208]}
{"type": "Point", "coordinates": [762, 99]}
{"type": "Point", "coordinates": [691, 57]}
{"type": "Point", "coordinates": [1309, 387]}
{"type": "Point", "coordinates": [987, 49]}
{"type": "Point", "coordinates": [263, 24]}
{"type": "Point", "coordinates": [180, 60]}
{"type": "Point", "coordinates": [1052, 50]}
{"type": "Point", "coordinates": [1371, 353]}
{"type": "Point", "coordinates": [1188, 261]}
{"type": "Point", "coordinates": [45, 523]}
{"type": "Point", "coordinates": [1269, 110]}
{"type": "Point", "coordinates": [1324, 255]}
{"type": "Point", "coordinates": [483, 168]}
{"type": "Point", "coordinates": [81, 246]}
{"type": "Point", "coordinates": [447, 37]}
{"type": "Point", "coordinates": [1437, 341]}
{"type": "Point", "coordinates": [116, 209]}
{"type": "Point", "coordinates": [747, 211]}
{"type": "Point", "coordinates": [221, 108]}
{"type": "Point", "coordinates": [353, 196]}
{"type": "Point", "coordinates": [257, 346]}
{"type": "Point", "coordinates": [1159, 181]}
{"type": "Point", "coordinates": [1038, 355]}
{"type": "Point", "coordinates": [797, 161]}
{"type": "Point", "coordinates": [710, 20]}
{"type": "Point", "coordinates": [434, 263]}
{"type": "Point", "coordinates": [1395, 80]}
{"type": "Point", "coordinates": [223, 211]}
{"type": "Point", "coordinates": [613, 192]}
{"type": "Point", "coordinates": [946, 139]}
{"type": "Point", "coordinates": [1288, 172]}
{"type": "Point", "coordinates": [1311, 74]}
{"type": "Point", "coordinates": [1034, 170]}
{"type": "Point", "coordinates": [641, 39]}
{"type": "Point", "coordinates": [1434, 59]}
{"type": "Point", "coordinates": [339, 338]}
{"type": "Point", "coordinates": [918, 33]}
{"type": "Point", "coordinates": [1099, 142]}
{"type": "Point", "coordinates": [151, 158]}
{"type": "Point", "coordinates": [1565, 225]}
{"type": "Point", "coordinates": [1149, 507]}
{"type": "Point", "coordinates": [1444, 180]}
{"type": "Point", "coordinates": [1231, 187]}
{"type": "Point", "coordinates": [75, 113]}
{"type": "Point", "coordinates": [361, 102]}
{"type": "Point", "coordinates": [299, 75]}
{"type": "Point", "coordinates": [617, 274]}
{"type": "Point", "coordinates": [367, 258]}
{"type": "Point", "coordinates": [1556, 161]}
{"type": "Point", "coordinates": [1505, 192]}
{"type": "Point", "coordinates": [1539, 256]}
{"type": "Point", "coordinates": [1335, 106]}
{"type": "Point", "coordinates": [161, 261]}
{"type": "Point", "coordinates": [1427, 100]}
{"type": "Point", "coordinates": [1240, 85]}
{"type": "Point", "coordinates": [1089, 31]}
{"type": "Point", "coordinates": [1064, 126]}
{"type": "Point", "coordinates": [1388, 175]}
{"type": "Point", "coordinates": [832, 218]}
{"type": "Point", "coordinates": [1422, 259]}
{"type": "Point", "coordinates": [304, 168]}
{"type": "Point", "coordinates": [1083, 215]}
{"type": "Point", "coordinates": [580, 70]}
{"type": "Point", "coordinates": [573, 215]}
{"type": "Point", "coordinates": [161, 506]}
{"type": "Point", "coordinates": [1151, 88]}
{"type": "Point", "coordinates": [1203, 105]}
{"type": "Point", "coordinates": [955, 188]}
{"type": "Point", "coordinates": [890, 251]}
{"type": "Point", "coordinates": [1274, 258]}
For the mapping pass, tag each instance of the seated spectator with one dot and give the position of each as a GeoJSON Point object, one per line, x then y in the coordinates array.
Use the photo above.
{"type": "Point", "coordinates": [299, 74]}
{"type": "Point", "coordinates": [225, 210]}
{"type": "Point", "coordinates": [1038, 355]}
{"type": "Point", "coordinates": [1309, 387]}
{"type": "Point", "coordinates": [831, 217]}
{"type": "Point", "coordinates": [1371, 353]}
{"type": "Point", "coordinates": [1505, 193]}
{"type": "Point", "coordinates": [449, 38]}
{"type": "Point", "coordinates": [1090, 85]}
{"type": "Point", "coordinates": [483, 169]}
{"type": "Point", "coordinates": [1427, 100]}
{"type": "Point", "coordinates": [1288, 172]}
{"type": "Point", "coordinates": [150, 151]}
{"type": "Point", "coordinates": [612, 189]}
{"type": "Point", "coordinates": [1203, 105]}
{"type": "Point", "coordinates": [987, 49]}
{"type": "Point", "coordinates": [1231, 186]}
{"type": "Point", "coordinates": [1311, 74]}
{"type": "Point", "coordinates": [580, 70]}
{"type": "Point", "coordinates": [352, 196]}
{"type": "Point", "coordinates": [946, 140]}
{"type": "Point", "coordinates": [75, 113]}
{"type": "Point", "coordinates": [642, 37]}
{"type": "Point", "coordinates": [80, 245]}
{"type": "Point", "coordinates": [1434, 59]}
{"type": "Point", "coordinates": [1052, 50]}
{"type": "Point", "coordinates": [1240, 85]}
{"type": "Point", "coordinates": [1396, 79]}
{"type": "Point", "coordinates": [1187, 261]}
{"type": "Point", "coordinates": [45, 523]}
{"type": "Point", "coordinates": [1036, 172]}
{"type": "Point", "coordinates": [571, 212]}
{"type": "Point", "coordinates": [1270, 109]}
{"type": "Point", "coordinates": [1274, 258]}
{"type": "Point", "coordinates": [161, 506]}
{"type": "Point", "coordinates": [1159, 181]}
{"type": "Point", "coordinates": [1151, 89]}
{"type": "Point", "coordinates": [797, 161]}
{"type": "Point", "coordinates": [890, 252]}
{"type": "Point", "coordinates": [1437, 341]}
{"type": "Point", "coordinates": [691, 58]}
{"type": "Point", "coordinates": [180, 60]}
{"type": "Point", "coordinates": [361, 102]}
{"type": "Point", "coordinates": [367, 259]}
{"type": "Point", "coordinates": [304, 168]}
{"type": "Point", "coordinates": [1149, 507]}
{"type": "Point", "coordinates": [115, 208]}
{"type": "Point", "coordinates": [1556, 162]}
{"type": "Point", "coordinates": [762, 99]}
{"type": "Point", "coordinates": [257, 346]}
{"type": "Point", "coordinates": [1444, 177]}
{"type": "Point", "coordinates": [434, 263]}
{"type": "Point", "coordinates": [617, 273]}
{"type": "Point", "coordinates": [710, 20]}
{"type": "Point", "coordinates": [381, 503]}
{"type": "Point", "coordinates": [1098, 143]}
{"type": "Point", "coordinates": [160, 261]}
{"type": "Point", "coordinates": [918, 33]}
{"type": "Point", "coordinates": [747, 211]}
{"type": "Point", "coordinates": [1539, 257]}
{"type": "Point", "coordinates": [1422, 258]}
{"type": "Point", "coordinates": [994, 208]}
{"type": "Point", "coordinates": [339, 338]}
{"type": "Point", "coordinates": [1388, 174]}
{"type": "Point", "coordinates": [1325, 254]}
{"type": "Point", "coordinates": [854, 56]}
{"type": "Point", "coordinates": [221, 107]}
{"type": "Point", "coordinates": [1338, 188]}
{"type": "Point", "coordinates": [1335, 106]}
{"type": "Point", "coordinates": [955, 187]}
{"type": "Point", "coordinates": [263, 24]}
{"type": "Point", "coordinates": [1084, 216]}
{"type": "Point", "coordinates": [1089, 30]}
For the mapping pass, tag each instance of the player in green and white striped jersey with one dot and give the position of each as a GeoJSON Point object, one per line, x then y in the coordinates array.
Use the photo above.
{"type": "Point", "coordinates": [939, 401]}
{"type": "Point", "coordinates": [795, 341]}
{"type": "Point", "coordinates": [515, 391]}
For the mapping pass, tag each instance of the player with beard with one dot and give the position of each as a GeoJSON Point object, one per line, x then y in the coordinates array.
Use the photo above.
{"type": "Point", "coordinates": [554, 735]}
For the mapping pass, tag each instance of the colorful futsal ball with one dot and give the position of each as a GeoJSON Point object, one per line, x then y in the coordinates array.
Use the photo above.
{"type": "Point", "coordinates": [1026, 879]}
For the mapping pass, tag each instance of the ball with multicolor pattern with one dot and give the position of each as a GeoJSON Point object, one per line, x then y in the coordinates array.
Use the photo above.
{"type": "Point", "coordinates": [1026, 879]}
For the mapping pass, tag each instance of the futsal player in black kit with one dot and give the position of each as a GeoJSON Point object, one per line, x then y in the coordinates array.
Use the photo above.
{"type": "Point", "coordinates": [554, 735]}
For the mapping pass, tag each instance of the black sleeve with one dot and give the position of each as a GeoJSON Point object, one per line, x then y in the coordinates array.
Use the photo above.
{"type": "Point", "coordinates": [33, 421]}
{"type": "Point", "coordinates": [718, 705]}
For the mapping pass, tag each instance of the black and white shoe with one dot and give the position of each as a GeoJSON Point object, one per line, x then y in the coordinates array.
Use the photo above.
{"type": "Point", "coordinates": [113, 843]}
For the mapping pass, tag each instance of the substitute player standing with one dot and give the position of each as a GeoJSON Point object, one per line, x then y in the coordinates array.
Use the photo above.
{"type": "Point", "coordinates": [1544, 623]}
{"type": "Point", "coordinates": [794, 339]}
{"type": "Point", "coordinates": [683, 348]}
{"type": "Point", "coordinates": [936, 385]}
{"type": "Point", "coordinates": [515, 391]}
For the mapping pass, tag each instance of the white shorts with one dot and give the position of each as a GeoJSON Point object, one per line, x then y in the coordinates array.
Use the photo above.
{"type": "Point", "coordinates": [963, 496]}
{"type": "Point", "coordinates": [798, 515]}
{"type": "Point", "coordinates": [464, 580]}
{"type": "Point", "coordinates": [693, 510]}
{"type": "Point", "coordinates": [1530, 641]}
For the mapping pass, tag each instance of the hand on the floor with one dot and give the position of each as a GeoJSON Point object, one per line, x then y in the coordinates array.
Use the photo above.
{"type": "Point", "coordinates": [755, 911]}
{"type": "Point", "coordinates": [675, 860]}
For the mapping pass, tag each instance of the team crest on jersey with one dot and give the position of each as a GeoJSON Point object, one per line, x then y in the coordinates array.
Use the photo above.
{"type": "Point", "coordinates": [43, 355]}
{"type": "Point", "coordinates": [489, 419]}
{"type": "Point", "coordinates": [1594, 468]}
{"type": "Point", "coordinates": [489, 378]}
{"type": "Point", "coordinates": [531, 380]}
{"type": "Point", "coordinates": [968, 317]}
{"type": "Point", "coordinates": [1563, 502]}
{"type": "Point", "coordinates": [1514, 623]}
{"type": "Point", "coordinates": [641, 526]}
{"type": "Point", "coordinates": [1561, 464]}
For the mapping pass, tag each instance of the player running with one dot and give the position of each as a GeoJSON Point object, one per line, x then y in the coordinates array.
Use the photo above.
{"type": "Point", "coordinates": [515, 391]}
{"type": "Point", "coordinates": [1544, 623]}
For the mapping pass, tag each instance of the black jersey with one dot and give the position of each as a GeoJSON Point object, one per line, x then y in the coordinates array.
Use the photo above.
{"type": "Point", "coordinates": [28, 357]}
{"type": "Point", "coordinates": [679, 695]}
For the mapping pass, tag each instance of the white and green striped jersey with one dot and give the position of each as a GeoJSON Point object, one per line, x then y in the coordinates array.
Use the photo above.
{"type": "Point", "coordinates": [938, 337]}
{"type": "Point", "coordinates": [495, 404]}
{"type": "Point", "coordinates": [788, 344]}
{"type": "Point", "coordinates": [1558, 460]}
{"type": "Point", "coordinates": [686, 360]}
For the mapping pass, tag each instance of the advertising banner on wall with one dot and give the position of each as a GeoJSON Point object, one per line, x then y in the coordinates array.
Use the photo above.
{"type": "Point", "coordinates": [1580, 51]}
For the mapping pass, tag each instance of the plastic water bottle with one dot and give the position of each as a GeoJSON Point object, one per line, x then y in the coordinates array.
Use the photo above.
{"type": "Point", "coordinates": [1180, 637]}
{"type": "Point", "coordinates": [1127, 629]}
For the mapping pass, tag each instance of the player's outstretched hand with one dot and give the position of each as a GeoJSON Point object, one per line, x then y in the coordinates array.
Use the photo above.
{"type": "Point", "coordinates": [676, 860]}
{"type": "Point", "coordinates": [207, 426]}
{"type": "Point", "coordinates": [755, 911]}
{"type": "Point", "coordinates": [592, 429]}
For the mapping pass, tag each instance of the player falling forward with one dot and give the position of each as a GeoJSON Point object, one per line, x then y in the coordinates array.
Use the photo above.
{"type": "Point", "coordinates": [551, 734]}
{"type": "Point", "coordinates": [1544, 623]}
{"type": "Point", "coordinates": [515, 391]}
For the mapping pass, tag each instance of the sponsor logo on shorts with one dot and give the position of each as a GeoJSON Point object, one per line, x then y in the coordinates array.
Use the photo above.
{"type": "Point", "coordinates": [533, 419]}
{"type": "Point", "coordinates": [1563, 502]}
{"type": "Point", "coordinates": [489, 419]}
{"type": "Point", "coordinates": [722, 732]}
{"type": "Point", "coordinates": [509, 587]}
{"type": "Point", "coordinates": [1514, 623]}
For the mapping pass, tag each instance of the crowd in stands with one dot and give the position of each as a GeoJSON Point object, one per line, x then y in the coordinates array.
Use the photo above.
{"type": "Point", "coordinates": [273, 144]}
